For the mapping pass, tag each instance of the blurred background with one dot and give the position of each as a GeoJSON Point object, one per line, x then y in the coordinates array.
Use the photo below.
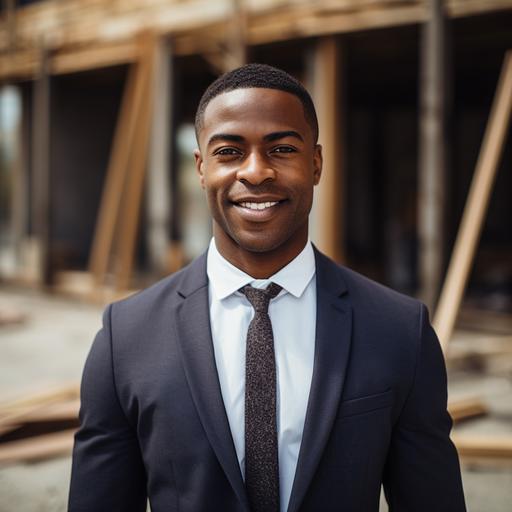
{"type": "Point", "coordinates": [99, 196]}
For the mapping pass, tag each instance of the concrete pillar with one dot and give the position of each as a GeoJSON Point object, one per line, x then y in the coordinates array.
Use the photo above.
{"type": "Point", "coordinates": [41, 169]}
{"type": "Point", "coordinates": [432, 155]}
{"type": "Point", "coordinates": [158, 192]}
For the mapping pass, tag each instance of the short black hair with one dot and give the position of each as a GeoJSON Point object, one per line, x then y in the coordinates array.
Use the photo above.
{"type": "Point", "coordinates": [259, 76]}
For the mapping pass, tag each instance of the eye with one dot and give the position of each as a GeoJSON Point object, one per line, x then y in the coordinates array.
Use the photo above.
{"type": "Point", "coordinates": [284, 149]}
{"type": "Point", "coordinates": [229, 151]}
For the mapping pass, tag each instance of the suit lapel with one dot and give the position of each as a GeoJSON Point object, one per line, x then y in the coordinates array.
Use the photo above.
{"type": "Point", "coordinates": [194, 335]}
{"type": "Point", "coordinates": [332, 347]}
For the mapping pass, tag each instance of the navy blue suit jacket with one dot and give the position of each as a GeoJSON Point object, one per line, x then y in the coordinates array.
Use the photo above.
{"type": "Point", "coordinates": [153, 422]}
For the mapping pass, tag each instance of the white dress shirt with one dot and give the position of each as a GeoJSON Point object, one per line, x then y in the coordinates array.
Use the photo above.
{"type": "Point", "coordinates": [293, 317]}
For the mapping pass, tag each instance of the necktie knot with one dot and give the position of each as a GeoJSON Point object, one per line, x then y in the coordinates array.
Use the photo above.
{"type": "Point", "coordinates": [260, 297]}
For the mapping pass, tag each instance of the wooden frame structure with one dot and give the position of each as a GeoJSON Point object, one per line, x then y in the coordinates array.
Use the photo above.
{"type": "Point", "coordinates": [84, 35]}
{"type": "Point", "coordinates": [78, 35]}
{"type": "Point", "coordinates": [476, 206]}
{"type": "Point", "coordinates": [117, 223]}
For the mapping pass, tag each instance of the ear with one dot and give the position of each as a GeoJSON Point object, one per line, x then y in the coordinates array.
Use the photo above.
{"type": "Point", "coordinates": [199, 166]}
{"type": "Point", "coordinates": [317, 164]}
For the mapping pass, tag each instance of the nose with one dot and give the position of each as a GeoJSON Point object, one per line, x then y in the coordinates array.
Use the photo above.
{"type": "Point", "coordinates": [255, 170]}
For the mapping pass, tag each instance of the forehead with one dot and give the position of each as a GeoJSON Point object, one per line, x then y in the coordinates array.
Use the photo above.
{"type": "Point", "coordinates": [254, 110]}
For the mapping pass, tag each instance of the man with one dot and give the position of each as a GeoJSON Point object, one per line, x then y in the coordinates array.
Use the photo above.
{"type": "Point", "coordinates": [263, 376]}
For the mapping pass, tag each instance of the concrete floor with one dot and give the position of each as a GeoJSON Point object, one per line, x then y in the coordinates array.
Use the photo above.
{"type": "Point", "coordinates": [49, 349]}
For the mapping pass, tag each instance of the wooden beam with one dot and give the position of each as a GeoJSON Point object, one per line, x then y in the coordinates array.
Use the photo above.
{"type": "Point", "coordinates": [468, 408]}
{"type": "Point", "coordinates": [115, 177]}
{"type": "Point", "coordinates": [37, 448]}
{"type": "Point", "coordinates": [476, 206]}
{"type": "Point", "coordinates": [19, 65]}
{"type": "Point", "coordinates": [464, 8]}
{"type": "Point", "coordinates": [58, 411]}
{"type": "Point", "coordinates": [75, 25]}
{"type": "Point", "coordinates": [313, 20]}
{"type": "Point", "coordinates": [238, 46]}
{"type": "Point", "coordinates": [138, 159]}
{"type": "Point", "coordinates": [432, 152]}
{"type": "Point", "coordinates": [41, 397]}
{"type": "Point", "coordinates": [94, 57]}
{"type": "Point", "coordinates": [483, 446]}
{"type": "Point", "coordinates": [327, 219]}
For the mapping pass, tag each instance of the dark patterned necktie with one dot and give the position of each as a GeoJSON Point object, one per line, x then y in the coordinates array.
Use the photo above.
{"type": "Point", "coordinates": [261, 455]}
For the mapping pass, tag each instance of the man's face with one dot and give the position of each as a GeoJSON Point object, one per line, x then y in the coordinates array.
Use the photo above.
{"type": "Point", "coordinates": [258, 164]}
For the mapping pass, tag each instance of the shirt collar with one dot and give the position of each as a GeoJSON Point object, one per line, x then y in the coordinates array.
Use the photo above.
{"type": "Point", "coordinates": [225, 279]}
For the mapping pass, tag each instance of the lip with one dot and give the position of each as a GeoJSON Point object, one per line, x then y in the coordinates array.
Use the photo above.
{"type": "Point", "coordinates": [257, 199]}
{"type": "Point", "coordinates": [258, 215]}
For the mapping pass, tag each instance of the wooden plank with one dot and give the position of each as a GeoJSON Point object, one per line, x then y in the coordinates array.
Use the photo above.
{"type": "Point", "coordinates": [464, 8]}
{"type": "Point", "coordinates": [77, 24]}
{"type": "Point", "coordinates": [116, 176]}
{"type": "Point", "coordinates": [294, 23]}
{"type": "Point", "coordinates": [94, 57]}
{"type": "Point", "coordinates": [37, 448]}
{"type": "Point", "coordinates": [139, 153]}
{"type": "Point", "coordinates": [327, 220]}
{"type": "Point", "coordinates": [11, 316]}
{"type": "Point", "coordinates": [73, 23]}
{"type": "Point", "coordinates": [41, 397]}
{"type": "Point", "coordinates": [60, 411]}
{"type": "Point", "coordinates": [8, 427]}
{"type": "Point", "coordinates": [483, 446]}
{"type": "Point", "coordinates": [467, 408]}
{"type": "Point", "coordinates": [476, 206]}
{"type": "Point", "coordinates": [238, 41]}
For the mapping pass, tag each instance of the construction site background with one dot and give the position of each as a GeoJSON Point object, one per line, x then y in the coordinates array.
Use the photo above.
{"type": "Point", "coordinates": [99, 196]}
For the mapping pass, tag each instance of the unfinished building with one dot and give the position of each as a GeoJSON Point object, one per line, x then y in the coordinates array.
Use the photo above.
{"type": "Point", "coordinates": [97, 180]}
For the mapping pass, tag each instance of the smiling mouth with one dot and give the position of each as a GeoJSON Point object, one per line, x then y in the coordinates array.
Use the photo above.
{"type": "Point", "coordinates": [258, 206]}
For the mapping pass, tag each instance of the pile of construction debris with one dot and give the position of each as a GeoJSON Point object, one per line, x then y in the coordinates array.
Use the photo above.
{"type": "Point", "coordinates": [39, 426]}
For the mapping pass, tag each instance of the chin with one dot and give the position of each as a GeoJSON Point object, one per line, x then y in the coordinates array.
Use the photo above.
{"type": "Point", "coordinates": [260, 243]}
{"type": "Point", "coordinates": [257, 246]}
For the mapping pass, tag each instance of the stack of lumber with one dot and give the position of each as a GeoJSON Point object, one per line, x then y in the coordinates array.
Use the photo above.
{"type": "Point", "coordinates": [39, 426]}
{"type": "Point", "coordinates": [43, 425]}
{"type": "Point", "coordinates": [10, 316]}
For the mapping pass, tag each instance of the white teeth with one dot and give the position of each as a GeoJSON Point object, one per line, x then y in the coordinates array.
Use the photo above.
{"type": "Point", "coordinates": [259, 206]}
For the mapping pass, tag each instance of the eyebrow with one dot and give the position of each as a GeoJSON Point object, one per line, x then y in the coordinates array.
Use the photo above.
{"type": "Point", "coordinates": [225, 136]}
{"type": "Point", "coordinates": [270, 137]}
{"type": "Point", "coordinates": [281, 135]}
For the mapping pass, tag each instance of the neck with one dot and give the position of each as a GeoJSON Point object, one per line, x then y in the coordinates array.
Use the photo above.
{"type": "Point", "coordinates": [260, 265]}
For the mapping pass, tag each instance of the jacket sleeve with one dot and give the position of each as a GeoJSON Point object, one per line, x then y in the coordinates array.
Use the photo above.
{"type": "Point", "coordinates": [422, 471]}
{"type": "Point", "coordinates": [107, 472]}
